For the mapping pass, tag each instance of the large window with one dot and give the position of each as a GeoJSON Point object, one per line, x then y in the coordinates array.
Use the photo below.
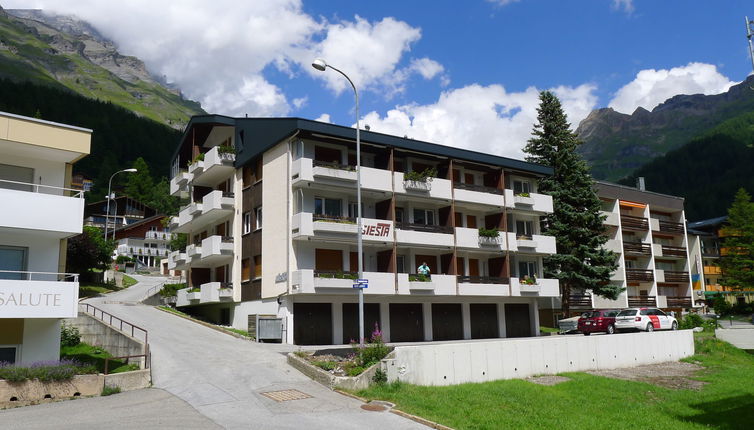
{"type": "Point", "coordinates": [521, 187]}
{"type": "Point", "coordinates": [258, 266]}
{"type": "Point", "coordinates": [424, 216]}
{"type": "Point", "coordinates": [524, 228]}
{"type": "Point", "coordinates": [8, 354]}
{"type": "Point", "coordinates": [328, 207]}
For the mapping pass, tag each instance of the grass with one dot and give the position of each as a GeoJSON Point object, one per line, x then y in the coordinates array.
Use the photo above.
{"type": "Point", "coordinates": [588, 401]}
{"type": "Point", "coordinates": [95, 289]}
{"type": "Point", "coordinates": [548, 329]}
{"type": "Point", "coordinates": [95, 356]}
{"type": "Point", "coordinates": [175, 311]}
{"type": "Point", "coordinates": [129, 281]}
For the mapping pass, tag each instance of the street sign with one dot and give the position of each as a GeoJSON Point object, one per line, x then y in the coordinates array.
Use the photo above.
{"type": "Point", "coordinates": [361, 283]}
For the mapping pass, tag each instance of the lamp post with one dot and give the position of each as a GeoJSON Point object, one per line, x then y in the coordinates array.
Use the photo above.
{"type": "Point", "coordinates": [321, 65]}
{"type": "Point", "coordinates": [109, 187]}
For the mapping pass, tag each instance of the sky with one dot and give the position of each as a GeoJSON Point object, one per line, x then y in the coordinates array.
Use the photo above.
{"type": "Point", "coordinates": [460, 73]}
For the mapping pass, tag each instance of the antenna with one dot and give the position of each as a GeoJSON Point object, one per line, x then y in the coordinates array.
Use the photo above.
{"type": "Point", "coordinates": [749, 34]}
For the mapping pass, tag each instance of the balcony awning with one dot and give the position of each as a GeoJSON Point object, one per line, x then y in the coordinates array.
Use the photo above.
{"type": "Point", "coordinates": [632, 204]}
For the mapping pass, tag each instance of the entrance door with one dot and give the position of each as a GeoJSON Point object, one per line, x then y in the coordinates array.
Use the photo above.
{"type": "Point", "coordinates": [13, 258]}
{"type": "Point", "coordinates": [517, 321]}
{"type": "Point", "coordinates": [351, 321]}
{"type": "Point", "coordinates": [447, 322]}
{"type": "Point", "coordinates": [312, 323]}
{"type": "Point", "coordinates": [484, 321]}
{"type": "Point", "coordinates": [406, 322]}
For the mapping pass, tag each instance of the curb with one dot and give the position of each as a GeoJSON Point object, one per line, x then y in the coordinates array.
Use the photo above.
{"type": "Point", "coordinates": [205, 324]}
{"type": "Point", "coordinates": [420, 420]}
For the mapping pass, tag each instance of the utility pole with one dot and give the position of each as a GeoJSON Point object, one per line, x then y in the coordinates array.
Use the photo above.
{"type": "Point", "coordinates": [749, 34]}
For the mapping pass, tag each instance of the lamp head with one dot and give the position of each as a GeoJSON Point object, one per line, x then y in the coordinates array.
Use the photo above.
{"type": "Point", "coordinates": [319, 64]}
{"type": "Point", "coordinates": [131, 170]}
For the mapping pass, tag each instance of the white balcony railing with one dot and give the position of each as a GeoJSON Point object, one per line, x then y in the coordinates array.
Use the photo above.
{"type": "Point", "coordinates": [179, 184]}
{"type": "Point", "coordinates": [38, 294]}
{"type": "Point", "coordinates": [535, 202]}
{"type": "Point", "coordinates": [215, 167]}
{"type": "Point", "coordinates": [55, 211]}
{"type": "Point", "coordinates": [435, 285]}
{"type": "Point", "coordinates": [212, 292]}
{"type": "Point", "coordinates": [438, 188]}
{"type": "Point", "coordinates": [308, 281]}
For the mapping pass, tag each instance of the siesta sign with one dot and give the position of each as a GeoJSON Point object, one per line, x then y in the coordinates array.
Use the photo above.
{"type": "Point", "coordinates": [38, 299]}
{"type": "Point", "coordinates": [377, 229]}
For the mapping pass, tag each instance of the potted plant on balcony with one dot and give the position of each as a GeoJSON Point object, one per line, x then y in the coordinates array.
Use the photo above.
{"type": "Point", "coordinates": [528, 280]}
{"type": "Point", "coordinates": [522, 195]}
{"type": "Point", "coordinates": [199, 157]}
{"type": "Point", "coordinates": [488, 235]}
{"type": "Point", "coordinates": [413, 180]}
{"type": "Point", "coordinates": [419, 277]}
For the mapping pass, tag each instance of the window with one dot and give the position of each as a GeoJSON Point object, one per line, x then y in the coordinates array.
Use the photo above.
{"type": "Point", "coordinates": [664, 265]}
{"type": "Point", "coordinates": [630, 264]}
{"type": "Point", "coordinates": [353, 209]}
{"type": "Point", "coordinates": [258, 266]}
{"type": "Point", "coordinates": [520, 187]}
{"type": "Point", "coordinates": [8, 354]}
{"type": "Point", "coordinates": [524, 228]}
{"type": "Point", "coordinates": [258, 215]}
{"type": "Point", "coordinates": [527, 268]}
{"type": "Point", "coordinates": [246, 222]}
{"type": "Point", "coordinates": [245, 270]}
{"type": "Point", "coordinates": [401, 264]}
{"type": "Point", "coordinates": [424, 216]}
{"type": "Point", "coordinates": [398, 214]}
{"type": "Point", "coordinates": [329, 207]}
{"type": "Point", "coordinates": [13, 259]}
{"type": "Point", "coordinates": [247, 176]}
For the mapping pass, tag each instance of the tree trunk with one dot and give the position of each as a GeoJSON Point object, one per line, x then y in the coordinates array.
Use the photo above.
{"type": "Point", "coordinates": [565, 301]}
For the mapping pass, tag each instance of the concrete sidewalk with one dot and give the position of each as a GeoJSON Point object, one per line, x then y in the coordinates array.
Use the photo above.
{"type": "Point", "coordinates": [739, 336]}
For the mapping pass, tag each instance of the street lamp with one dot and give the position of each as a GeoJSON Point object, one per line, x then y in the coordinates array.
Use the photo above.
{"type": "Point", "coordinates": [321, 65]}
{"type": "Point", "coordinates": [109, 186]}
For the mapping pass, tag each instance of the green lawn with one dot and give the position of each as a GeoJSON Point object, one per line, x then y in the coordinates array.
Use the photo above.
{"type": "Point", "coordinates": [95, 356]}
{"type": "Point", "coordinates": [592, 402]}
{"type": "Point", "coordinates": [128, 281]}
{"type": "Point", "coordinates": [95, 289]}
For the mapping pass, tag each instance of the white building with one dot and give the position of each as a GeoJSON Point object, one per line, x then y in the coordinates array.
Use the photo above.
{"type": "Point", "coordinates": [298, 261]}
{"type": "Point", "coordinates": [40, 211]}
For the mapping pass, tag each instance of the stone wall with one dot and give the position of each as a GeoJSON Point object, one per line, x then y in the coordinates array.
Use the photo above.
{"type": "Point", "coordinates": [117, 343]}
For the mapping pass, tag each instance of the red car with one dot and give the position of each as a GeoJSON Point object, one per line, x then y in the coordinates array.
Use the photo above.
{"type": "Point", "coordinates": [601, 320]}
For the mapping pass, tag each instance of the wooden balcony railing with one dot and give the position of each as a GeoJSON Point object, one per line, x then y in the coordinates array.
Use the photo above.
{"type": "Point", "coordinates": [679, 302]}
{"type": "Point", "coordinates": [483, 279]}
{"type": "Point", "coordinates": [425, 228]}
{"type": "Point", "coordinates": [639, 275]}
{"type": "Point", "coordinates": [671, 276]}
{"type": "Point", "coordinates": [671, 227]}
{"type": "Point", "coordinates": [479, 188]}
{"type": "Point", "coordinates": [580, 300]}
{"type": "Point", "coordinates": [634, 223]}
{"type": "Point", "coordinates": [712, 270]}
{"type": "Point", "coordinates": [637, 248]}
{"type": "Point", "coordinates": [642, 301]}
{"type": "Point", "coordinates": [673, 251]}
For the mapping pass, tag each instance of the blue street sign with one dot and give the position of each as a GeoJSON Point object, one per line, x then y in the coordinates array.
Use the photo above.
{"type": "Point", "coordinates": [361, 283]}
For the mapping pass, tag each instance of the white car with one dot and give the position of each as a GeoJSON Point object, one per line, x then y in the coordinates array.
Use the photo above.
{"type": "Point", "coordinates": [646, 319]}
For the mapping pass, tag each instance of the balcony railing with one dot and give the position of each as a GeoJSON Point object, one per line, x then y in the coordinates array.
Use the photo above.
{"type": "Point", "coordinates": [333, 218]}
{"type": "Point", "coordinates": [676, 276]}
{"type": "Point", "coordinates": [478, 188]}
{"type": "Point", "coordinates": [483, 279]}
{"type": "Point", "coordinates": [15, 275]}
{"type": "Point", "coordinates": [39, 188]}
{"type": "Point", "coordinates": [712, 270]}
{"type": "Point", "coordinates": [425, 228]}
{"type": "Point", "coordinates": [334, 165]}
{"type": "Point", "coordinates": [580, 300]}
{"type": "Point", "coordinates": [671, 227]}
{"type": "Point", "coordinates": [637, 248]}
{"type": "Point", "coordinates": [679, 302]}
{"type": "Point", "coordinates": [634, 222]}
{"type": "Point", "coordinates": [335, 274]}
{"type": "Point", "coordinates": [673, 251]}
{"type": "Point", "coordinates": [639, 275]}
{"type": "Point", "coordinates": [642, 301]}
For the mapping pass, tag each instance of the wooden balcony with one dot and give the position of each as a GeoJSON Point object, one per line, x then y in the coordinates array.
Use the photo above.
{"type": "Point", "coordinates": [634, 223]}
{"type": "Point", "coordinates": [580, 300]}
{"type": "Point", "coordinates": [671, 227]}
{"type": "Point", "coordinates": [679, 302]}
{"type": "Point", "coordinates": [673, 251]}
{"type": "Point", "coordinates": [642, 301]}
{"type": "Point", "coordinates": [639, 275]}
{"type": "Point", "coordinates": [712, 270]}
{"type": "Point", "coordinates": [637, 248]}
{"type": "Point", "coordinates": [671, 276]}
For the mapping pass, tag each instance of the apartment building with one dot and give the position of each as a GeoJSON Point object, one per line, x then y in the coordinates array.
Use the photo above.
{"type": "Point", "coordinates": [40, 211]}
{"type": "Point", "coordinates": [123, 211]}
{"type": "Point", "coordinates": [271, 224]}
{"type": "Point", "coordinates": [146, 241]}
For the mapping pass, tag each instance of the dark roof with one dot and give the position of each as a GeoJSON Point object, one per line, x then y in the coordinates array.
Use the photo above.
{"type": "Point", "coordinates": [256, 135]}
{"type": "Point", "coordinates": [139, 222]}
{"type": "Point", "coordinates": [622, 192]}
{"type": "Point", "coordinates": [708, 222]}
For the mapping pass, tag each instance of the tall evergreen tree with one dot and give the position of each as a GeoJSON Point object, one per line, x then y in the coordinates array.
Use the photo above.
{"type": "Point", "coordinates": [737, 259]}
{"type": "Point", "coordinates": [140, 185]}
{"type": "Point", "coordinates": [576, 222]}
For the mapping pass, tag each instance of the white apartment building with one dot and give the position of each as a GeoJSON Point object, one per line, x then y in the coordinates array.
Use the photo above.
{"type": "Point", "coordinates": [272, 232]}
{"type": "Point", "coordinates": [146, 241]}
{"type": "Point", "coordinates": [40, 211]}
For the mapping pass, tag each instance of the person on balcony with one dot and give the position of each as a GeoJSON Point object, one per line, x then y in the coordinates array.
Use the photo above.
{"type": "Point", "coordinates": [423, 269]}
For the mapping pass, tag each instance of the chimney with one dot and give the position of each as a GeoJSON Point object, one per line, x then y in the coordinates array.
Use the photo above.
{"type": "Point", "coordinates": [640, 183]}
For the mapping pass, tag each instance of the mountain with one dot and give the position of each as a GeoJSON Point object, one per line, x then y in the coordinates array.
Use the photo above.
{"type": "Point", "coordinates": [64, 52]}
{"type": "Point", "coordinates": [616, 144]}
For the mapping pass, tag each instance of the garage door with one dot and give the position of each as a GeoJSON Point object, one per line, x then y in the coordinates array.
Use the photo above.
{"type": "Point", "coordinates": [312, 323]}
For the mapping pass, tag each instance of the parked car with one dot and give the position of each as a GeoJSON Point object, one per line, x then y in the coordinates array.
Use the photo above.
{"type": "Point", "coordinates": [601, 320]}
{"type": "Point", "coordinates": [567, 325]}
{"type": "Point", "coordinates": [646, 319]}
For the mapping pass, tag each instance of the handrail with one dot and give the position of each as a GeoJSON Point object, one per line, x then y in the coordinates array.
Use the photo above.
{"type": "Point", "coordinates": [78, 193]}
{"type": "Point", "coordinates": [75, 276]}
{"type": "Point", "coordinates": [92, 310]}
{"type": "Point", "coordinates": [127, 357]}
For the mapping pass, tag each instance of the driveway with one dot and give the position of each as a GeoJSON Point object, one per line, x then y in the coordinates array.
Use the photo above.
{"type": "Point", "coordinates": [223, 377]}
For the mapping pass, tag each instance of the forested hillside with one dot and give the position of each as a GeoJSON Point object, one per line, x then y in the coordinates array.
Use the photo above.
{"type": "Point", "coordinates": [119, 137]}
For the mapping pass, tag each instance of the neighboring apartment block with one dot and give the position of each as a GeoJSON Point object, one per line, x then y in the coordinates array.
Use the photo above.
{"type": "Point", "coordinates": [271, 221]}
{"type": "Point", "coordinates": [146, 241]}
{"type": "Point", "coordinates": [40, 211]}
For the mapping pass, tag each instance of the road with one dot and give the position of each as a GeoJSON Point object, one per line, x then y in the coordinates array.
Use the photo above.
{"type": "Point", "coordinates": [221, 377]}
{"type": "Point", "coordinates": [739, 333]}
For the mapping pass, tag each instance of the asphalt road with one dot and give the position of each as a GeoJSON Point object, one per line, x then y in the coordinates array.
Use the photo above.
{"type": "Point", "coordinates": [210, 378]}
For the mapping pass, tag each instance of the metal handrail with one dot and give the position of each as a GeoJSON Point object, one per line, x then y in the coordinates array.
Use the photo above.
{"type": "Point", "coordinates": [75, 276]}
{"type": "Point", "coordinates": [127, 357]}
{"type": "Point", "coordinates": [35, 189]}
{"type": "Point", "coordinates": [92, 310]}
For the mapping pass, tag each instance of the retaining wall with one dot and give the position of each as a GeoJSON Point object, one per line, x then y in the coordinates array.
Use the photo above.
{"type": "Point", "coordinates": [97, 333]}
{"type": "Point", "coordinates": [353, 383]}
{"type": "Point", "coordinates": [482, 361]}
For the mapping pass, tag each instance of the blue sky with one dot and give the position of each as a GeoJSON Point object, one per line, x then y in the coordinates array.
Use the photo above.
{"type": "Point", "coordinates": [460, 73]}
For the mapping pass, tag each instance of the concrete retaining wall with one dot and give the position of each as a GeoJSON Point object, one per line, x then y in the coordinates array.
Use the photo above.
{"type": "Point", "coordinates": [97, 333]}
{"type": "Point", "coordinates": [481, 361]}
{"type": "Point", "coordinates": [353, 383]}
{"type": "Point", "coordinates": [128, 381]}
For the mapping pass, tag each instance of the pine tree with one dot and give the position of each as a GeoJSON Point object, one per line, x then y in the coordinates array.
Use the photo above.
{"type": "Point", "coordinates": [576, 222]}
{"type": "Point", "coordinates": [737, 254]}
{"type": "Point", "coordinates": [140, 185]}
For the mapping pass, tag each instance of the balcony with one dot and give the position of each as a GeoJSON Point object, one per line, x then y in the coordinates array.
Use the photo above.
{"type": "Point", "coordinates": [435, 284]}
{"type": "Point", "coordinates": [541, 287]}
{"type": "Point", "coordinates": [678, 302]}
{"type": "Point", "coordinates": [469, 238]}
{"type": "Point", "coordinates": [637, 248]}
{"type": "Point", "coordinates": [305, 171]}
{"type": "Point", "coordinates": [194, 216]}
{"type": "Point", "coordinates": [307, 225]}
{"type": "Point", "coordinates": [580, 300]}
{"type": "Point", "coordinates": [671, 227]}
{"type": "Point", "coordinates": [212, 251]}
{"type": "Point", "coordinates": [712, 270]}
{"type": "Point", "coordinates": [634, 223]}
{"type": "Point", "coordinates": [478, 194]}
{"type": "Point", "coordinates": [611, 218]}
{"type": "Point", "coordinates": [674, 276]}
{"type": "Point", "coordinates": [39, 294]}
{"type": "Point", "coordinates": [642, 301]}
{"type": "Point", "coordinates": [420, 234]}
{"type": "Point", "coordinates": [179, 184]}
{"type": "Point", "coordinates": [213, 292]}
{"type": "Point", "coordinates": [483, 286]}
{"type": "Point", "coordinates": [194, 252]}
{"type": "Point", "coordinates": [537, 244]}
{"type": "Point", "coordinates": [672, 251]}
{"type": "Point", "coordinates": [158, 235]}
{"type": "Point", "coordinates": [54, 212]}
{"type": "Point", "coordinates": [215, 167]}
{"type": "Point", "coordinates": [308, 281]}
{"type": "Point", "coordinates": [539, 203]}
{"type": "Point", "coordinates": [435, 188]}
{"type": "Point", "coordinates": [177, 260]}
{"type": "Point", "coordinates": [640, 275]}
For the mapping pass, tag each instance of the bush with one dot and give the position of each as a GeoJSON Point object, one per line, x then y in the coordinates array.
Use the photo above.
{"type": "Point", "coordinates": [69, 335]}
{"type": "Point", "coordinates": [379, 377]}
{"type": "Point", "coordinates": [721, 306]}
{"type": "Point", "coordinates": [690, 321]}
{"type": "Point", "coordinates": [108, 390]}
{"type": "Point", "coordinates": [45, 371]}
{"type": "Point", "coordinates": [488, 232]}
{"type": "Point", "coordinates": [372, 352]}
{"type": "Point", "coordinates": [171, 290]}
{"type": "Point", "coordinates": [123, 259]}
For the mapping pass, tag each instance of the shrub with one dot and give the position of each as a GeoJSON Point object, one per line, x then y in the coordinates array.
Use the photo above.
{"type": "Point", "coordinates": [690, 321]}
{"type": "Point", "coordinates": [419, 278]}
{"type": "Point", "coordinates": [45, 371]}
{"type": "Point", "coordinates": [325, 365]}
{"type": "Point", "coordinates": [372, 352]}
{"type": "Point", "coordinates": [379, 377]}
{"type": "Point", "coordinates": [123, 259]}
{"type": "Point", "coordinates": [226, 149]}
{"type": "Point", "coordinates": [721, 306]}
{"type": "Point", "coordinates": [108, 390]}
{"type": "Point", "coordinates": [355, 371]}
{"type": "Point", "coordinates": [69, 335]}
{"type": "Point", "coordinates": [488, 232]}
{"type": "Point", "coordinates": [171, 290]}
{"type": "Point", "coordinates": [424, 176]}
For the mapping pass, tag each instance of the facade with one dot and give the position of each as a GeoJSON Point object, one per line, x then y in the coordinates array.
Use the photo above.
{"type": "Point", "coordinates": [146, 241]}
{"type": "Point", "coordinates": [123, 211]}
{"type": "Point", "coordinates": [272, 232]}
{"type": "Point", "coordinates": [40, 211]}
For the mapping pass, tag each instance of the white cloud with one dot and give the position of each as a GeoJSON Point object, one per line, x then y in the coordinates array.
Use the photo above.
{"type": "Point", "coordinates": [482, 118]}
{"type": "Point", "coordinates": [652, 87]}
{"type": "Point", "coordinates": [217, 52]}
{"type": "Point", "coordinates": [325, 117]}
{"type": "Point", "coordinates": [626, 5]}
{"type": "Point", "coordinates": [300, 102]}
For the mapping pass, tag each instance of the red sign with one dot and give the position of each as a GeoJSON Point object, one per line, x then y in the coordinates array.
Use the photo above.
{"type": "Point", "coordinates": [379, 229]}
